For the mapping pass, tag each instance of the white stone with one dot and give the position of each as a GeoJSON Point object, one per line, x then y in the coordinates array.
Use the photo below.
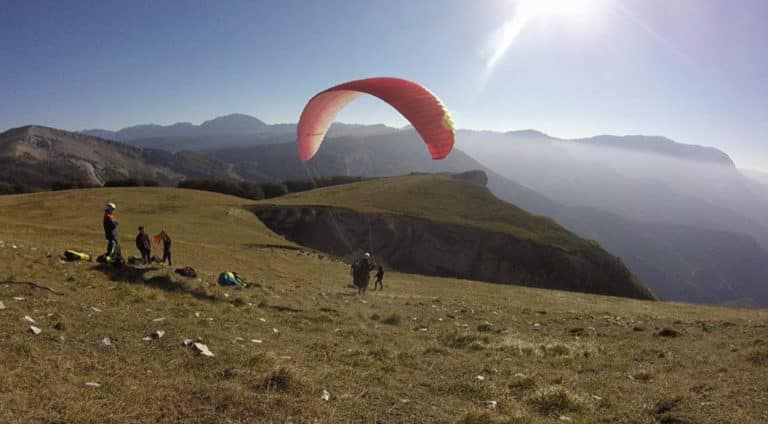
{"type": "Point", "coordinates": [158, 334]}
{"type": "Point", "coordinates": [2, 305]}
{"type": "Point", "coordinates": [159, 319]}
{"type": "Point", "coordinates": [18, 298]}
{"type": "Point", "coordinates": [202, 349]}
{"type": "Point", "coordinates": [257, 341]}
{"type": "Point", "coordinates": [35, 330]}
{"type": "Point", "coordinates": [93, 384]}
{"type": "Point", "coordinates": [29, 319]}
{"type": "Point", "coordinates": [187, 342]}
{"type": "Point", "coordinates": [480, 377]}
{"type": "Point", "coordinates": [490, 404]}
{"type": "Point", "coordinates": [326, 395]}
{"type": "Point", "coordinates": [106, 341]}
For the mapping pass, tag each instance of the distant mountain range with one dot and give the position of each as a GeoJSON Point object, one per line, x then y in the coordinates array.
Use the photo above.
{"type": "Point", "coordinates": [239, 130]}
{"type": "Point", "coordinates": [235, 130]}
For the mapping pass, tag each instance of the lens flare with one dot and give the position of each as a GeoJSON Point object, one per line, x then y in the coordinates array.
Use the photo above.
{"type": "Point", "coordinates": [527, 11]}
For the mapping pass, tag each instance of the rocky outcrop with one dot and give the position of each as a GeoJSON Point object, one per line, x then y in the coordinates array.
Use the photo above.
{"type": "Point", "coordinates": [422, 246]}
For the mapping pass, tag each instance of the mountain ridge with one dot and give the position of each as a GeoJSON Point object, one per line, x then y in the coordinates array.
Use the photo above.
{"type": "Point", "coordinates": [247, 125]}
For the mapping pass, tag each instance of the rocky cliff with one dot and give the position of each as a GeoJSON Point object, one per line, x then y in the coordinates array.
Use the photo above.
{"type": "Point", "coordinates": [417, 245]}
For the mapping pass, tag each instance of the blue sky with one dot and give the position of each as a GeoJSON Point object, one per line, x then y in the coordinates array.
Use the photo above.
{"type": "Point", "coordinates": [693, 70]}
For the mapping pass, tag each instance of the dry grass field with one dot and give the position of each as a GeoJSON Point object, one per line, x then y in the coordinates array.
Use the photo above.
{"type": "Point", "coordinates": [423, 350]}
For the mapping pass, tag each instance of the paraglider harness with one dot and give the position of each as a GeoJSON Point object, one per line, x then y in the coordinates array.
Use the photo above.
{"type": "Point", "coordinates": [116, 258]}
{"type": "Point", "coordinates": [361, 271]}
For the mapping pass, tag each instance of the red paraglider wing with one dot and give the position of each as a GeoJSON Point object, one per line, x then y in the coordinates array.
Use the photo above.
{"type": "Point", "coordinates": [417, 104]}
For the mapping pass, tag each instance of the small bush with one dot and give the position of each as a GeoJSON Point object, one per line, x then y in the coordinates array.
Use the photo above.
{"type": "Point", "coordinates": [132, 182]}
{"type": "Point", "coordinates": [392, 319]}
{"type": "Point", "coordinates": [457, 340]}
{"type": "Point", "coordinates": [555, 400]}
{"type": "Point", "coordinates": [302, 185]}
{"type": "Point", "coordinates": [271, 190]}
{"type": "Point", "coordinates": [69, 185]}
{"type": "Point", "coordinates": [643, 376]}
{"type": "Point", "coordinates": [282, 380]}
{"type": "Point", "coordinates": [758, 357]}
{"type": "Point", "coordinates": [555, 350]}
{"type": "Point", "coordinates": [485, 328]}
{"type": "Point", "coordinates": [521, 384]}
{"type": "Point", "coordinates": [242, 189]}
{"type": "Point", "coordinates": [668, 332]}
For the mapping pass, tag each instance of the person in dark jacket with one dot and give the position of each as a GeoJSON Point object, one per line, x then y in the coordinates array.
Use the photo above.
{"type": "Point", "coordinates": [144, 246]}
{"type": "Point", "coordinates": [110, 232]}
{"type": "Point", "coordinates": [379, 279]}
{"type": "Point", "coordinates": [361, 272]}
{"type": "Point", "coordinates": [166, 239]}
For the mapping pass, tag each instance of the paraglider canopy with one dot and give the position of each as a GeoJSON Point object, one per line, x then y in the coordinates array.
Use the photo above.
{"type": "Point", "coordinates": [416, 103]}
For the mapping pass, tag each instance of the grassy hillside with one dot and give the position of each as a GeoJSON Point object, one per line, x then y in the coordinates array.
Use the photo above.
{"type": "Point", "coordinates": [439, 198]}
{"type": "Point", "coordinates": [412, 353]}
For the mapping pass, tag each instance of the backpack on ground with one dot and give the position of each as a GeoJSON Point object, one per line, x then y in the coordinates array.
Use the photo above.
{"type": "Point", "coordinates": [229, 278]}
{"type": "Point", "coordinates": [186, 271]}
{"type": "Point", "coordinates": [74, 255]}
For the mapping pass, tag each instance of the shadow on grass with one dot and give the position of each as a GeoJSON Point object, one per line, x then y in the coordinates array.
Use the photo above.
{"type": "Point", "coordinates": [133, 275]}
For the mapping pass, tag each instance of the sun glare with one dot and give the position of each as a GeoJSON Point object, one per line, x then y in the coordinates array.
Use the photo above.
{"type": "Point", "coordinates": [526, 11]}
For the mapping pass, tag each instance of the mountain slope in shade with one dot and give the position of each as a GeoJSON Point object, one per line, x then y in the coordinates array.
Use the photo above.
{"type": "Point", "coordinates": [36, 157]}
{"type": "Point", "coordinates": [677, 262]}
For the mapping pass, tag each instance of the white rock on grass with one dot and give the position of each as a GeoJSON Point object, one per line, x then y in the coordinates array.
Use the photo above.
{"type": "Point", "coordinates": [158, 334]}
{"type": "Point", "coordinates": [187, 342]}
{"type": "Point", "coordinates": [161, 319]}
{"type": "Point", "coordinates": [274, 330]}
{"type": "Point", "coordinates": [202, 349]}
{"type": "Point", "coordinates": [35, 330]}
{"type": "Point", "coordinates": [490, 404]}
{"type": "Point", "coordinates": [197, 314]}
{"type": "Point", "coordinates": [2, 305]}
{"type": "Point", "coordinates": [29, 319]}
{"type": "Point", "coordinates": [480, 377]}
{"type": "Point", "coordinates": [106, 341]}
{"type": "Point", "coordinates": [95, 309]}
{"type": "Point", "coordinates": [18, 298]}
{"type": "Point", "coordinates": [93, 384]}
{"type": "Point", "coordinates": [257, 341]}
{"type": "Point", "coordinates": [326, 395]}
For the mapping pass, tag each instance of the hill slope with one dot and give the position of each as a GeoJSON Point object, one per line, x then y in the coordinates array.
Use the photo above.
{"type": "Point", "coordinates": [38, 156]}
{"type": "Point", "coordinates": [677, 262]}
{"type": "Point", "coordinates": [411, 353]}
{"type": "Point", "coordinates": [448, 226]}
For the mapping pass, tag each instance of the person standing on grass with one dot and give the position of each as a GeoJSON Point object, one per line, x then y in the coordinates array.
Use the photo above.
{"type": "Point", "coordinates": [166, 240]}
{"type": "Point", "coordinates": [361, 273]}
{"type": "Point", "coordinates": [379, 279]}
{"type": "Point", "coordinates": [110, 232]}
{"type": "Point", "coordinates": [144, 246]}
